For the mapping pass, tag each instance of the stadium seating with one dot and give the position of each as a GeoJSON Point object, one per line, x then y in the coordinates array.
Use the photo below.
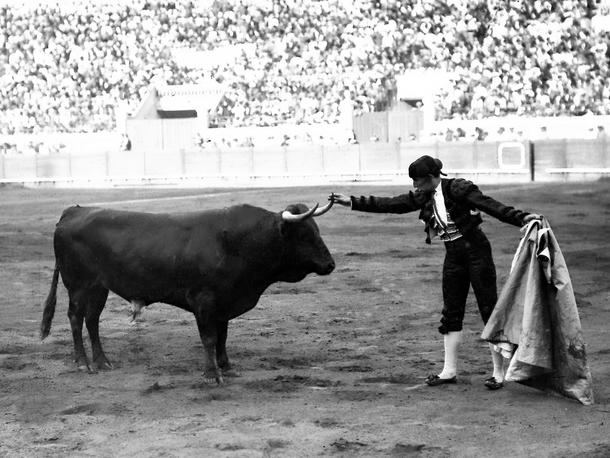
{"type": "Point", "coordinates": [67, 68]}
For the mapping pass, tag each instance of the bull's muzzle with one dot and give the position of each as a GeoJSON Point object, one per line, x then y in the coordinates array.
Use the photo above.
{"type": "Point", "coordinates": [326, 268]}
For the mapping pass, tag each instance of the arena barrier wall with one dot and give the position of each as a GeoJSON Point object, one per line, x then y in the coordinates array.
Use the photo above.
{"type": "Point", "coordinates": [571, 159]}
{"type": "Point", "coordinates": [303, 163]}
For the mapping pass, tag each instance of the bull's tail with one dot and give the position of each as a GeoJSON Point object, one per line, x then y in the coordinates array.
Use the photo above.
{"type": "Point", "coordinates": [49, 306]}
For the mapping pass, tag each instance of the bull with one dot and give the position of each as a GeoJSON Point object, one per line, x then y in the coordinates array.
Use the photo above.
{"type": "Point", "coordinates": [214, 263]}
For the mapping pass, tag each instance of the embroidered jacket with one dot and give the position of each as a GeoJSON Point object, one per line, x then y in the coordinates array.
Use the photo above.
{"type": "Point", "coordinates": [463, 200]}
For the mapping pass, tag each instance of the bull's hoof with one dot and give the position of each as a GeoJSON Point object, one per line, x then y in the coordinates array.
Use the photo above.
{"type": "Point", "coordinates": [102, 364]}
{"type": "Point", "coordinates": [82, 365]}
{"type": "Point", "coordinates": [212, 379]}
{"type": "Point", "coordinates": [230, 372]}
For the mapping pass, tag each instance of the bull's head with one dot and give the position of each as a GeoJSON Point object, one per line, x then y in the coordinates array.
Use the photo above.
{"type": "Point", "coordinates": [305, 251]}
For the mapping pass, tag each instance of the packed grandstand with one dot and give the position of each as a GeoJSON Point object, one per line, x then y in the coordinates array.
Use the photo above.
{"type": "Point", "coordinates": [68, 69]}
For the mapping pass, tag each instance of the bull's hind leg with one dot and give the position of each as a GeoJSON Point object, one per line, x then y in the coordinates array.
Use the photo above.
{"type": "Point", "coordinates": [203, 304]}
{"type": "Point", "coordinates": [76, 315]}
{"type": "Point", "coordinates": [86, 304]}
{"type": "Point", "coordinates": [96, 301]}
{"type": "Point", "coordinates": [221, 350]}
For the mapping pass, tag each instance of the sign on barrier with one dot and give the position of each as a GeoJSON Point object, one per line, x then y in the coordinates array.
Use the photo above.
{"type": "Point", "coordinates": [511, 155]}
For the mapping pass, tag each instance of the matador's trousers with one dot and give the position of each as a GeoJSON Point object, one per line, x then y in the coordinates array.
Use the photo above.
{"type": "Point", "coordinates": [468, 262]}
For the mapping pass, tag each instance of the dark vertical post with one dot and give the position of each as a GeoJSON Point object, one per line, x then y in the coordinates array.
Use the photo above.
{"type": "Point", "coordinates": [532, 161]}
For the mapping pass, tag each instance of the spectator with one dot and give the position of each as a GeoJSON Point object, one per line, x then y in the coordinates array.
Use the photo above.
{"type": "Point", "coordinates": [66, 67]}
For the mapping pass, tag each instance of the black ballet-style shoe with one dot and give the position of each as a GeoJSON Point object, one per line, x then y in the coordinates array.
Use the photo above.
{"type": "Point", "coordinates": [435, 380]}
{"type": "Point", "coordinates": [492, 384]}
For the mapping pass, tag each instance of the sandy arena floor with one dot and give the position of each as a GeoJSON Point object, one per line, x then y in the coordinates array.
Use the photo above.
{"type": "Point", "coordinates": [329, 366]}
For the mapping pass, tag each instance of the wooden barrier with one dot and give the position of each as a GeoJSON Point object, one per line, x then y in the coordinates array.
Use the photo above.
{"type": "Point", "coordinates": [491, 162]}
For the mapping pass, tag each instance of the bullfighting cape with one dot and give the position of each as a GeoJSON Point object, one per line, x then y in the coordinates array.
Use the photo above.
{"type": "Point", "coordinates": [535, 323]}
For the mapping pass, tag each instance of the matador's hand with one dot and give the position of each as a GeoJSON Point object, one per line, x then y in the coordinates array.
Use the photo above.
{"type": "Point", "coordinates": [340, 199]}
{"type": "Point", "coordinates": [530, 217]}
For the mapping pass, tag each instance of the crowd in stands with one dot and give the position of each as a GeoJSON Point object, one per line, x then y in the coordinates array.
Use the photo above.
{"type": "Point", "coordinates": [69, 67]}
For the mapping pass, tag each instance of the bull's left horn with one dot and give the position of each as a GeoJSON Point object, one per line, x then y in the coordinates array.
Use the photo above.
{"type": "Point", "coordinates": [321, 211]}
{"type": "Point", "coordinates": [291, 218]}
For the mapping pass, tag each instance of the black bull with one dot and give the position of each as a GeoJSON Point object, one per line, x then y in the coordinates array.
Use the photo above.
{"type": "Point", "coordinates": [214, 263]}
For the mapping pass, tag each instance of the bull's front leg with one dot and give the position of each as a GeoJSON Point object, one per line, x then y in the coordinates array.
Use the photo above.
{"type": "Point", "coordinates": [221, 350]}
{"type": "Point", "coordinates": [203, 306]}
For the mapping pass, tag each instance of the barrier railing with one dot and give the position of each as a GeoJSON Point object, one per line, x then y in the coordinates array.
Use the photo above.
{"type": "Point", "coordinates": [546, 160]}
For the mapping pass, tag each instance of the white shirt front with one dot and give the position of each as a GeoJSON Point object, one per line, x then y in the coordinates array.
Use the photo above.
{"type": "Point", "coordinates": [445, 228]}
{"type": "Point", "coordinates": [439, 204]}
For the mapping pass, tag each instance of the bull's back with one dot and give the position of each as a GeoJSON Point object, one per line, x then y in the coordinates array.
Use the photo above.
{"type": "Point", "coordinates": [136, 254]}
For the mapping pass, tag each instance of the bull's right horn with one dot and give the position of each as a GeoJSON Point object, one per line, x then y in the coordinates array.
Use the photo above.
{"type": "Point", "coordinates": [291, 218]}
{"type": "Point", "coordinates": [321, 211]}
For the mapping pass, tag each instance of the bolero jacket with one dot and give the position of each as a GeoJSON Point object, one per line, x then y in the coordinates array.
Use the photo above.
{"type": "Point", "coordinates": [463, 200]}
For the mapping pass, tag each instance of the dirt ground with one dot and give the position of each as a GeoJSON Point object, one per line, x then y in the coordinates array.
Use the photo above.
{"type": "Point", "coordinates": [329, 366]}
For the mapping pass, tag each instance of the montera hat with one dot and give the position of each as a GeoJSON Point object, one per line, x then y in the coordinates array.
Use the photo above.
{"type": "Point", "coordinates": [425, 166]}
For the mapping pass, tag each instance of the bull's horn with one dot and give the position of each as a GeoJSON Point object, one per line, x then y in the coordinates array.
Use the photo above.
{"type": "Point", "coordinates": [321, 211]}
{"type": "Point", "coordinates": [290, 218]}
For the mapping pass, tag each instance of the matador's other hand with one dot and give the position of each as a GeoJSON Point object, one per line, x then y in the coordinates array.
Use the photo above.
{"type": "Point", "coordinates": [531, 217]}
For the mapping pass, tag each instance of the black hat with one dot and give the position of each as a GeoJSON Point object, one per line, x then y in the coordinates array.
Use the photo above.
{"type": "Point", "coordinates": [425, 166]}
